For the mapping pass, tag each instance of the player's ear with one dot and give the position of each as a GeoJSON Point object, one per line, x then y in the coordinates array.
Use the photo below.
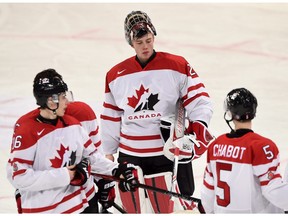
{"type": "Point", "coordinates": [50, 103]}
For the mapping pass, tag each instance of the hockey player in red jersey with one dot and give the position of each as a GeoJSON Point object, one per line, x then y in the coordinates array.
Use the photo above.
{"type": "Point", "coordinates": [139, 92]}
{"type": "Point", "coordinates": [87, 117]}
{"type": "Point", "coordinates": [242, 173]}
{"type": "Point", "coordinates": [52, 155]}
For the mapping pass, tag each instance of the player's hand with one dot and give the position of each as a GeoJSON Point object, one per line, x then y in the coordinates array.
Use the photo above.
{"type": "Point", "coordinates": [106, 193]}
{"type": "Point", "coordinates": [71, 171]}
{"type": "Point", "coordinates": [82, 173]}
{"type": "Point", "coordinates": [110, 157]}
{"type": "Point", "coordinates": [129, 173]}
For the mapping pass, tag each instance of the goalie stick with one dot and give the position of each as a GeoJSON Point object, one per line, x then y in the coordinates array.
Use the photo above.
{"type": "Point", "coordinates": [179, 127]}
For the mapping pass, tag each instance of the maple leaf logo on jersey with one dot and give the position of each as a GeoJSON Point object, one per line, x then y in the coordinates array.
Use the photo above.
{"type": "Point", "coordinates": [143, 100]}
{"type": "Point", "coordinates": [65, 158]}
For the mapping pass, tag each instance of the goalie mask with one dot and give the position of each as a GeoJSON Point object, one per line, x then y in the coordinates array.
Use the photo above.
{"type": "Point", "coordinates": [48, 83]}
{"type": "Point", "coordinates": [136, 25]}
{"type": "Point", "coordinates": [240, 104]}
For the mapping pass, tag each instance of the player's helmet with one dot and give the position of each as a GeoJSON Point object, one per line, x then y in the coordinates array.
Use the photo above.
{"type": "Point", "coordinates": [46, 84]}
{"type": "Point", "coordinates": [241, 104]}
{"type": "Point", "coordinates": [137, 24]}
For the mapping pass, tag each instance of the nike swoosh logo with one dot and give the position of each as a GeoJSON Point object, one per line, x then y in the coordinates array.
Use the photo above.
{"type": "Point", "coordinates": [39, 133]}
{"type": "Point", "coordinates": [119, 72]}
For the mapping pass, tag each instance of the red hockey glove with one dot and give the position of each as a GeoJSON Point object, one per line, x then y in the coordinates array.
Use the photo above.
{"type": "Point", "coordinates": [106, 193]}
{"type": "Point", "coordinates": [82, 173]}
{"type": "Point", "coordinates": [130, 181]}
{"type": "Point", "coordinates": [202, 137]}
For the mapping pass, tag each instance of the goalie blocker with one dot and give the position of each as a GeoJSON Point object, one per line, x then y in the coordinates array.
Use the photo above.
{"type": "Point", "coordinates": [191, 146]}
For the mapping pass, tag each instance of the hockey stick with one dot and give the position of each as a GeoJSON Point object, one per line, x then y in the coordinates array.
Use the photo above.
{"type": "Point", "coordinates": [179, 126]}
{"type": "Point", "coordinates": [121, 210]}
{"type": "Point", "coordinates": [147, 187]}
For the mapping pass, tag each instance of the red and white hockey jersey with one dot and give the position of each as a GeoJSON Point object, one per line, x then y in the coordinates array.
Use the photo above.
{"type": "Point", "coordinates": [87, 117]}
{"type": "Point", "coordinates": [136, 98]}
{"type": "Point", "coordinates": [243, 176]}
{"type": "Point", "coordinates": [39, 154]}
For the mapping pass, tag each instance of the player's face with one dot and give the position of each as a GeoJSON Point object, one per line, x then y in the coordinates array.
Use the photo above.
{"type": "Point", "coordinates": [63, 101]}
{"type": "Point", "coordinates": [58, 102]}
{"type": "Point", "coordinates": [144, 47]}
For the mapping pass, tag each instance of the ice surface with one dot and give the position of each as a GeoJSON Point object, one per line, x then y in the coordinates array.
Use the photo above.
{"type": "Point", "coordinates": [230, 45]}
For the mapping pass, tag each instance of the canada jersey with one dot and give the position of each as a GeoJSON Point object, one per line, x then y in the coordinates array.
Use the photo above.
{"type": "Point", "coordinates": [87, 117]}
{"type": "Point", "coordinates": [136, 98]}
{"type": "Point", "coordinates": [37, 165]}
{"type": "Point", "coordinates": [241, 176]}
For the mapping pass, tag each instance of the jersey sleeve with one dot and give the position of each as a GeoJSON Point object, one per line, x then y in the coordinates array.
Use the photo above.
{"type": "Point", "coordinates": [285, 177]}
{"type": "Point", "coordinates": [99, 163]}
{"type": "Point", "coordinates": [266, 167]}
{"type": "Point", "coordinates": [207, 188]}
{"type": "Point", "coordinates": [87, 117]}
{"type": "Point", "coordinates": [110, 121]}
{"type": "Point", "coordinates": [196, 99]}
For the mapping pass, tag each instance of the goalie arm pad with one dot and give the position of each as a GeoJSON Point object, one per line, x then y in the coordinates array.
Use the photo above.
{"type": "Point", "coordinates": [201, 137]}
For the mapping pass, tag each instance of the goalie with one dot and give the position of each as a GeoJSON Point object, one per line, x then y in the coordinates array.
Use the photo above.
{"type": "Point", "coordinates": [141, 90]}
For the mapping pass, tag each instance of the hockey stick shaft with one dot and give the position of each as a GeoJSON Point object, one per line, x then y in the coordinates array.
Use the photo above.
{"type": "Point", "coordinates": [121, 210]}
{"type": "Point", "coordinates": [147, 187]}
{"type": "Point", "coordinates": [178, 133]}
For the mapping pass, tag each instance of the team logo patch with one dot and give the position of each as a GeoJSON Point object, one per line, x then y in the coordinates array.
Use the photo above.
{"type": "Point", "coordinates": [15, 167]}
{"type": "Point", "coordinates": [64, 157]}
{"type": "Point", "coordinates": [143, 100]}
{"type": "Point", "coordinates": [270, 175]}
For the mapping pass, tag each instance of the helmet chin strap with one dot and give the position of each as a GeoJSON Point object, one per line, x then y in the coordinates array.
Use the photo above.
{"type": "Point", "coordinates": [53, 110]}
{"type": "Point", "coordinates": [228, 122]}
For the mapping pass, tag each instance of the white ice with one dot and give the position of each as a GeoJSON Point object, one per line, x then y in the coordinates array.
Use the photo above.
{"type": "Point", "coordinates": [230, 45]}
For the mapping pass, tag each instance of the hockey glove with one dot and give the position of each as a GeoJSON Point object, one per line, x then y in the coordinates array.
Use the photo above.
{"type": "Point", "coordinates": [185, 143]}
{"type": "Point", "coordinates": [202, 137]}
{"type": "Point", "coordinates": [82, 173]}
{"type": "Point", "coordinates": [106, 193]}
{"type": "Point", "coordinates": [130, 181]}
